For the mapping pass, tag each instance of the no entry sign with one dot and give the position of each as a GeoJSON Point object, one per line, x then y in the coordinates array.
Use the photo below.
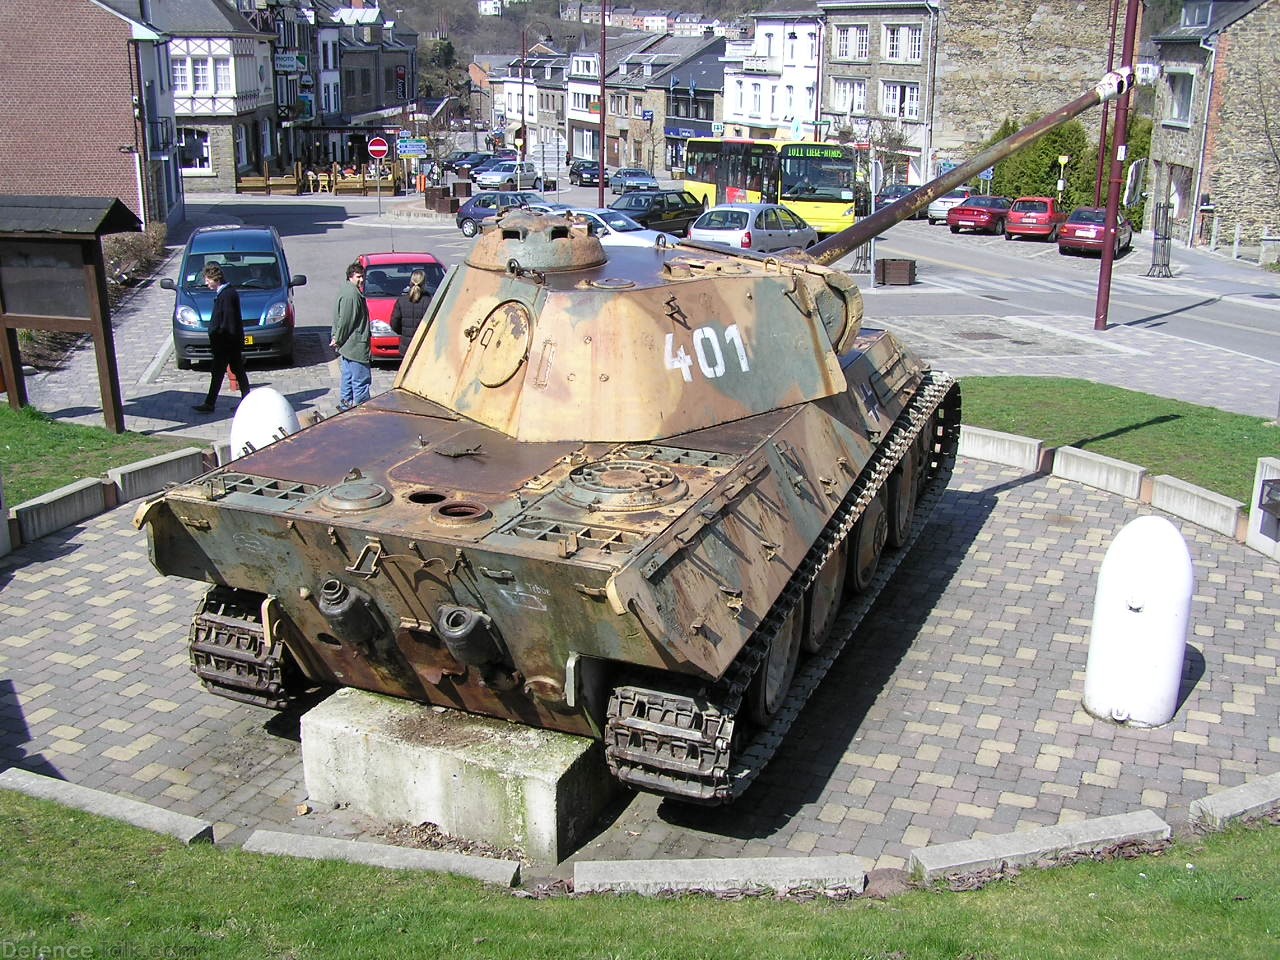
{"type": "Point", "coordinates": [378, 148]}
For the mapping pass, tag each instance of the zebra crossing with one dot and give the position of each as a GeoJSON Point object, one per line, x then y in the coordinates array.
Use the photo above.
{"type": "Point", "coordinates": [980, 285]}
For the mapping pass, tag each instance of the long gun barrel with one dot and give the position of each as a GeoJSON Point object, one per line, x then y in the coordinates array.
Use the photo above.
{"type": "Point", "coordinates": [834, 247]}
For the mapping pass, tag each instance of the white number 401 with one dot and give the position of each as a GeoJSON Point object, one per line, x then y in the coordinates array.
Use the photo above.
{"type": "Point", "coordinates": [706, 345]}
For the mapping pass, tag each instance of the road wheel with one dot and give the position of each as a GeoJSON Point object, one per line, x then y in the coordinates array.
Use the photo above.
{"type": "Point", "coordinates": [999, 227]}
{"type": "Point", "coordinates": [537, 185]}
{"type": "Point", "coordinates": [955, 229]}
{"type": "Point", "coordinates": [469, 227]}
{"type": "Point", "coordinates": [822, 601]}
{"type": "Point", "coordinates": [1053, 235]}
{"type": "Point", "coordinates": [769, 686]}
{"type": "Point", "coordinates": [902, 500]}
{"type": "Point", "coordinates": [1063, 250]}
{"type": "Point", "coordinates": [866, 542]}
{"type": "Point", "coordinates": [1008, 235]}
{"type": "Point", "coordinates": [1115, 252]}
{"type": "Point", "coordinates": [509, 185]}
{"type": "Point", "coordinates": [184, 363]}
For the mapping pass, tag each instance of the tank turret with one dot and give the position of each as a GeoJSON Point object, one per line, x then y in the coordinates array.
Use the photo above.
{"type": "Point", "coordinates": [640, 495]}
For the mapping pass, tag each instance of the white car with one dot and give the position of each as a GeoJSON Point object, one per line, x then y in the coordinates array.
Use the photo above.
{"type": "Point", "coordinates": [937, 212]}
{"type": "Point", "coordinates": [616, 229]}
{"type": "Point", "coordinates": [753, 226]}
{"type": "Point", "coordinates": [510, 175]}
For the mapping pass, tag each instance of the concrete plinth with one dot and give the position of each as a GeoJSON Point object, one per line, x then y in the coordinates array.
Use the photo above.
{"type": "Point", "coordinates": [473, 777]}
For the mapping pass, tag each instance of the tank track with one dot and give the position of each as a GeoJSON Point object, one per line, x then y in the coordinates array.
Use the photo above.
{"type": "Point", "coordinates": [683, 745]}
{"type": "Point", "coordinates": [230, 653]}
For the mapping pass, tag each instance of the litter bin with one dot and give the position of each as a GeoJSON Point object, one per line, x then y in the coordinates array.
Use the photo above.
{"type": "Point", "coordinates": [895, 272]}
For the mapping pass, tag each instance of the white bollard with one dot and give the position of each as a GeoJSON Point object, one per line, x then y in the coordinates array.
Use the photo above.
{"type": "Point", "coordinates": [1140, 616]}
{"type": "Point", "coordinates": [263, 417]}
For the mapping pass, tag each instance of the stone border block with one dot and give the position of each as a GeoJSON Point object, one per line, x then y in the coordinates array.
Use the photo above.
{"type": "Point", "coordinates": [60, 508]}
{"type": "Point", "coordinates": [187, 829]}
{"type": "Point", "coordinates": [651, 877]}
{"type": "Point", "coordinates": [1202, 507]}
{"type": "Point", "coordinates": [1095, 470]}
{"type": "Point", "coordinates": [6, 536]}
{"type": "Point", "coordinates": [1003, 448]}
{"type": "Point", "coordinates": [150, 476]}
{"type": "Point", "coordinates": [1019, 849]}
{"type": "Point", "coordinates": [502, 872]}
{"type": "Point", "coordinates": [1245, 800]}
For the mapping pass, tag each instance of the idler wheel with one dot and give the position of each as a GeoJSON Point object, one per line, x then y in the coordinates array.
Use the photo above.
{"type": "Point", "coordinates": [769, 686]}
{"type": "Point", "coordinates": [867, 542]}
{"type": "Point", "coordinates": [823, 599]}
{"type": "Point", "coordinates": [902, 500]}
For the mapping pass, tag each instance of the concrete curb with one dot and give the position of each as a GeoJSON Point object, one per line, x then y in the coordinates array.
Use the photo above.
{"type": "Point", "coordinates": [502, 872]}
{"type": "Point", "coordinates": [156, 819]}
{"type": "Point", "coordinates": [1246, 800]}
{"type": "Point", "coordinates": [649, 877]}
{"type": "Point", "coordinates": [1019, 849]}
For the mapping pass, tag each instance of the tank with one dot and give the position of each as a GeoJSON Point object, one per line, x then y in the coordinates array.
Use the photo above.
{"type": "Point", "coordinates": [642, 496]}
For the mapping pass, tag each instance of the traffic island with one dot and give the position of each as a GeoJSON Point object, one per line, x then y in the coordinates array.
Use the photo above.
{"type": "Point", "coordinates": [473, 777]}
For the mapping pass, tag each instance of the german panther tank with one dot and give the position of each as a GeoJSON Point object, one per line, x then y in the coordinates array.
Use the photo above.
{"type": "Point", "coordinates": [641, 496]}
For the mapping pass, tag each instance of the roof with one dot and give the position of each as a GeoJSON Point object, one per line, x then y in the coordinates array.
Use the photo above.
{"type": "Point", "coordinates": [1223, 14]}
{"type": "Point", "coordinates": [91, 216]}
{"type": "Point", "coordinates": [187, 17]}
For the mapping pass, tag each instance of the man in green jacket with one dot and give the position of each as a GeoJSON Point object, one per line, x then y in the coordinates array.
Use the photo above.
{"type": "Point", "coordinates": [350, 337]}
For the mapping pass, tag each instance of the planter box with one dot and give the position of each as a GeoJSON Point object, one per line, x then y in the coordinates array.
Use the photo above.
{"type": "Point", "coordinates": [895, 272]}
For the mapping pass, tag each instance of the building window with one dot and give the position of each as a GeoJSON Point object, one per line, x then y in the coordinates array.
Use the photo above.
{"type": "Point", "coordinates": [242, 146]}
{"type": "Point", "coordinates": [200, 77]}
{"type": "Point", "coordinates": [193, 149]}
{"type": "Point", "coordinates": [902, 44]}
{"type": "Point", "coordinates": [900, 100]}
{"type": "Point", "coordinates": [1196, 14]}
{"type": "Point", "coordinates": [755, 99]}
{"type": "Point", "coordinates": [181, 73]}
{"type": "Point", "coordinates": [1179, 98]}
{"type": "Point", "coordinates": [773, 99]}
{"type": "Point", "coordinates": [366, 82]}
{"type": "Point", "coordinates": [222, 76]}
{"type": "Point", "coordinates": [742, 98]}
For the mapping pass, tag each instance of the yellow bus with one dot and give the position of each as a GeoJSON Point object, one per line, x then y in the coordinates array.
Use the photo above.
{"type": "Point", "coordinates": [816, 181]}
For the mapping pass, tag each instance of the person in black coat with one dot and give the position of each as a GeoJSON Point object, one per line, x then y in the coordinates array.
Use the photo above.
{"type": "Point", "coordinates": [226, 336]}
{"type": "Point", "coordinates": [410, 308]}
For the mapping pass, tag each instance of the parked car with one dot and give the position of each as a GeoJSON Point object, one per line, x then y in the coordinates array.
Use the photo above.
{"type": "Point", "coordinates": [556, 208]}
{"type": "Point", "coordinates": [386, 276]}
{"type": "Point", "coordinates": [1086, 229]}
{"type": "Point", "coordinates": [762, 227]}
{"type": "Point", "coordinates": [1034, 217]}
{"type": "Point", "coordinates": [634, 178]}
{"type": "Point", "coordinates": [616, 229]}
{"type": "Point", "coordinates": [937, 210]}
{"type": "Point", "coordinates": [253, 260]}
{"type": "Point", "coordinates": [453, 158]}
{"type": "Point", "coordinates": [485, 206]}
{"type": "Point", "coordinates": [671, 211]}
{"type": "Point", "coordinates": [590, 175]}
{"type": "Point", "coordinates": [576, 167]}
{"type": "Point", "coordinates": [979, 213]}
{"type": "Point", "coordinates": [510, 175]}
{"type": "Point", "coordinates": [487, 164]}
{"type": "Point", "coordinates": [463, 167]}
{"type": "Point", "coordinates": [892, 194]}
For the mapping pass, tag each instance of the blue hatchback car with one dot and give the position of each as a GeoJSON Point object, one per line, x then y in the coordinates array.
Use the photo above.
{"type": "Point", "coordinates": [252, 258]}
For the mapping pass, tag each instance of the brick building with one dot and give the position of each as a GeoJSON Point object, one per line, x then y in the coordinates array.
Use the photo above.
{"type": "Point", "coordinates": [1215, 149]}
{"type": "Point", "coordinates": [88, 106]}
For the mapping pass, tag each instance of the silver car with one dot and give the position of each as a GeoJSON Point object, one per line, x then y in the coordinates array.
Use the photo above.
{"type": "Point", "coordinates": [753, 226]}
{"type": "Point", "coordinates": [510, 175]}
{"type": "Point", "coordinates": [937, 212]}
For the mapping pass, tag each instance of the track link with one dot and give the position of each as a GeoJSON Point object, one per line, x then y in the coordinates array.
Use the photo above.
{"type": "Point", "coordinates": [230, 653]}
{"type": "Point", "coordinates": [688, 745]}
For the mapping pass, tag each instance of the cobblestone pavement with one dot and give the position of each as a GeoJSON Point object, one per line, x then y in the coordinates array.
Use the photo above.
{"type": "Point", "coordinates": [956, 713]}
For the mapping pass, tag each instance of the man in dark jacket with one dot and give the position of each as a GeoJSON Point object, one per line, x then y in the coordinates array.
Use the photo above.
{"type": "Point", "coordinates": [226, 336]}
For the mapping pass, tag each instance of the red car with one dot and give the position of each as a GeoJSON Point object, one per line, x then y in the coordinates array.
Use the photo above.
{"type": "Point", "coordinates": [386, 276]}
{"type": "Point", "coordinates": [979, 214]}
{"type": "Point", "coordinates": [1034, 217]}
{"type": "Point", "coordinates": [1086, 229]}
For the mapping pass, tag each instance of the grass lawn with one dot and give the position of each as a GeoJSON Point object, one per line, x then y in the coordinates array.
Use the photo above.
{"type": "Point", "coordinates": [1212, 449]}
{"type": "Point", "coordinates": [38, 454]}
{"type": "Point", "coordinates": [73, 882]}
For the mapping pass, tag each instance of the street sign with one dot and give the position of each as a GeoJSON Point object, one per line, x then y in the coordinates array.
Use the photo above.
{"type": "Point", "coordinates": [378, 148]}
{"type": "Point", "coordinates": [411, 147]}
{"type": "Point", "coordinates": [987, 174]}
{"type": "Point", "coordinates": [647, 116]}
